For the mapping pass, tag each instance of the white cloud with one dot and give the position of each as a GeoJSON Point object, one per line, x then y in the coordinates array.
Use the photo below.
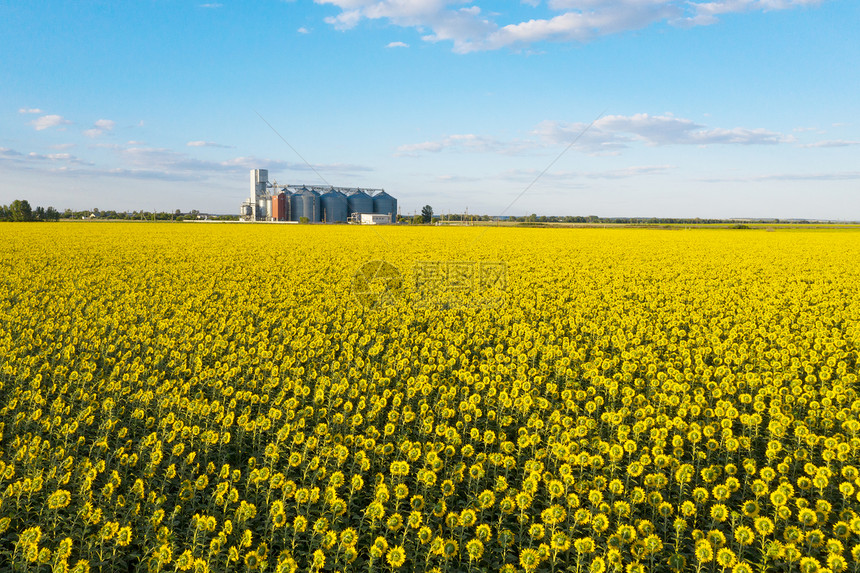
{"type": "Point", "coordinates": [614, 132]}
{"type": "Point", "coordinates": [303, 30]}
{"type": "Point", "coordinates": [29, 110]}
{"type": "Point", "coordinates": [607, 136]}
{"type": "Point", "coordinates": [6, 153]}
{"type": "Point", "coordinates": [833, 143]}
{"type": "Point", "coordinates": [31, 158]}
{"type": "Point", "coordinates": [820, 176]}
{"type": "Point", "coordinates": [397, 45]}
{"type": "Point", "coordinates": [467, 142]}
{"type": "Point", "coordinates": [707, 12]}
{"type": "Point", "coordinates": [214, 5]}
{"type": "Point", "coordinates": [100, 127]}
{"type": "Point", "coordinates": [470, 29]}
{"type": "Point", "coordinates": [150, 159]}
{"type": "Point", "coordinates": [207, 144]}
{"type": "Point", "coordinates": [621, 173]}
{"type": "Point", "coordinates": [48, 121]}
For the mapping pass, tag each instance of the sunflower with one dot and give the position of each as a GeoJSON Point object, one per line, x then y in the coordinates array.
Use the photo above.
{"type": "Point", "coordinates": [396, 557]}
{"type": "Point", "coordinates": [726, 557]}
{"type": "Point", "coordinates": [467, 518]}
{"type": "Point", "coordinates": [809, 565]}
{"type": "Point", "coordinates": [559, 542]}
{"type": "Point", "coordinates": [529, 559]}
{"type": "Point", "coordinates": [744, 535]}
{"type": "Point", "coordinates": [763, 525]}
{"type": "Point", "coordinates": [475, 549]}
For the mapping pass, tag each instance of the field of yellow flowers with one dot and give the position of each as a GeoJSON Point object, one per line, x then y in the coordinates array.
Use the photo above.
{"type": "Point", "coordinates": [217, 398]}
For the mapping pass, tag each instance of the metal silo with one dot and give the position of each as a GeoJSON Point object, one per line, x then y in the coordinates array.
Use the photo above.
{"type": "Point", "coordinates": [334, 207]}
{"type": "Point", "coordinates": [385, 204]}
{"type": "Point", "coordinates": [359, 202]}
{"type": "Point", "coordinates": [305, 203]}
{"type": "Point", "coordinates": [281, 207]}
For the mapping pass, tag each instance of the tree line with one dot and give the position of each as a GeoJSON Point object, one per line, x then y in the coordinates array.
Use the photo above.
{"type": "Point", "coordinates": [20, 210]}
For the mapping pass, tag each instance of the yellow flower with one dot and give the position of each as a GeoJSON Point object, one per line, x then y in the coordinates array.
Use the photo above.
{"type": "Point", "coordinates": [529, 559]}
{"type": "Point", "coordinates": [475, 549]}
{"type": "Point", "coordinates": [396, 557]}
{"type": "Point", "coordinates": [123, 536]}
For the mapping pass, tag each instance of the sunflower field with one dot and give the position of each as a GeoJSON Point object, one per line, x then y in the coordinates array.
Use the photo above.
{"type": "Point", "coordinates": [203, 397]}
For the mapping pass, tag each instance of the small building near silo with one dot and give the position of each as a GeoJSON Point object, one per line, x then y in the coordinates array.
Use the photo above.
{"type": "Point", "coordinates": [385, 204]}
{"type": "Point", "coordinates": [359, 202]}
{"type": "Point", "coordinates": [374, 219]}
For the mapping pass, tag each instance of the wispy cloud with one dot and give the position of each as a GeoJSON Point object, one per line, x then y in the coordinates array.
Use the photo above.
{"type": "Point", "coordinates": [614, 132]}
{"type": "Point", "coordinates": [15, 156]}
{"type": "Point", "coordinates": [608, 135]}
{"type": "Point", "coordinates": [6, 153]}
{"type": "Point", "coordinates": [100, 127]}
{"type": "Point", "coordinates": [57, 157]}
{"type": "Point", "coordinates": [527, 175]}
{"type": "Point", "coordinates": [832, 143]}
{"type": "Point", "coordinates": [211, 5]}
{"type": "Point", "coordinates": [29, 110]}
{"type": "Point", "coordinates": [465, 142]}
{"type": "Point", "coordinates": [397, 45]}
{"type": "Point", "coordinates": [819, 176]}
{"type": "Point", "coordinates": [303, 30]}
{"type": "Point", "coordinates": [471, 29]}
{"type": "Point", "coordinates": [161, 163]}
{"type": "Point", "coordinates": [48, 121]}
{"type": "Point", "coordinates": [207, 144]}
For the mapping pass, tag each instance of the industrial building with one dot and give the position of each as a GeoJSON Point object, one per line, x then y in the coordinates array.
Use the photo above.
{"type": "Point", "coordinates": [320, 204]}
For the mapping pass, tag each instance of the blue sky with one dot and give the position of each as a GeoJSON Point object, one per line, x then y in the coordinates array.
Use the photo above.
{"type": "Point", "coordinates": [701, 108]}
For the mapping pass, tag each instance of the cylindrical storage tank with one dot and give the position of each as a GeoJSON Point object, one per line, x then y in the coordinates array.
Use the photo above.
{"type": "Point", "coordinates": [288, 205]}
{"type": "Point", "coordinates": [359, 202]}
{"type": "Point", "coordinates": [385, 204]}
{"type": "Point", "coordinates": [333, 207]}
{"type": "Point", "coordinates": [280, 207]}
{"type": "Point", "coordinates": [305, 203]}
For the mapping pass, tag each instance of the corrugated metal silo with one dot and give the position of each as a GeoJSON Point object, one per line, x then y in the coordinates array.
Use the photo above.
{"type": "Point", "coordinates": [305, 203]}
{"type": "Point", "coordinates": [334, 207]}
{"type": "Point", "coordinates": [359, 202]}
{"type": "Point", "coordinates": [281, 206]}
{"type": "Point", "coordinates": [385, 204]}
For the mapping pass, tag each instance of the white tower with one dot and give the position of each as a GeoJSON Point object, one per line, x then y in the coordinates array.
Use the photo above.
{"type": "Point", "coordinates": [259, 194]}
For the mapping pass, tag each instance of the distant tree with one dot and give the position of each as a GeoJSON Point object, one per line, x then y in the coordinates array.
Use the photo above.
{"type": "Point", "coordinates": [52, 214]}
{"type": "Point", "coordinates": [427, 213]}
{"type": "Point", "coordinates": [417, 219]}
{"type": "Point", "coordinates": [304, 220]}
{"type": "Point", "coordinates": [39, 214]}
{"type": "Point", "coordinates": [20, 210]}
